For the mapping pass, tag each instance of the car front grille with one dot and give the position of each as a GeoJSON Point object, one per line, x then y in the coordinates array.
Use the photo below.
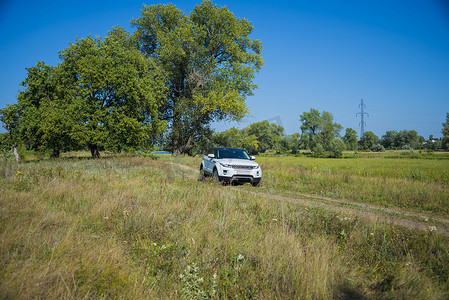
{"type": "Point", "coordinates": [243, 167]}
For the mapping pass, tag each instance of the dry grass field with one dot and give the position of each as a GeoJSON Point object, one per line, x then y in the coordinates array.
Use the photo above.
{"type": "Point", "coordinates": [134, 227]}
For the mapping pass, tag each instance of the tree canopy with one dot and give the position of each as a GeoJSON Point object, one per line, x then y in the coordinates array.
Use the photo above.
{"type": "Point", "coordinates": [103, 93]}
{"type": "Point", "coordinates": [320, 134]}
{"type": "Point", "coordinates": [350, 139]}
{"type": "Point", "coordinates": [118, 92]}
{"type": "Point", "coordinates": [368, 140]}
{"type": "Point", "coordinates": [396, 140]}
{"type": "Point", "coordinates": [208, 60]}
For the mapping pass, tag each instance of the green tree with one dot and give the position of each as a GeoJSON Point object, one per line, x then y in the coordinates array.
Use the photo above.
{"type": "Point", "coordinates": [410, 138]}
{"type": "Point", "coordinates": [269, 135]}
{"type": "Point", "coordinates": [44, 109]}
{"type": "Point", "coordinates": [209, 62]}
{"type": "Point", "coordinates": [350, 139]}
{"type": "Point", "coordinates": [291, 142]}
{"type": "Point", "coordinates": [10, 116]}
{"type": "Point", "coordinates": [309, 127]}
{"type": "Point", "coordinates": [117, 92]}
{"type": "Point", "coordinates": [433, 143]}
{"type": "Point", "coordinates": [445, 132]}
{"type": "Point", "coordinates": [328, 130]}
{"type": "Point", "coordinates": [237, 139]}
{"type": "Point", "coordinates": [318, 128]}
{"type": "Point", "coordinates": [396, 140]}
{"type": "Point", "coordinates": [390, 140]}
{"type": "Point", "coordinates": [4, 145]}
{"type": "Point", "coordinates": [368, 140]}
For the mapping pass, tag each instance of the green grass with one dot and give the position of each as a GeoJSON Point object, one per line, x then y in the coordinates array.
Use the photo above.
{"type": "Point", "coordinates": [417, 185]}
{"type": "Point", "coordinates": [128, 227]}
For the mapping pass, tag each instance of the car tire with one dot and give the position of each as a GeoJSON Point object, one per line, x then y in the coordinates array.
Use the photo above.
{"type": "Point", "coordinates": [202, 174]}
{"type": "Point", "coordinates": [216, 178]}
{"type": "Point", "coordinates": [257, 183]}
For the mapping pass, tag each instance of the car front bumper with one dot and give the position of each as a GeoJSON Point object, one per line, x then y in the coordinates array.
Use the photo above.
{"type": "Point", "coordinates": [238, 175]}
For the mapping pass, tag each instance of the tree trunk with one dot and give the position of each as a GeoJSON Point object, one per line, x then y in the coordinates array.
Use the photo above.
{"type": "Point", "coordinates": [94, 151]}
{"type": "Point", "coordinates": [179, 148]}
{"type": "Point", "coordinates": [55, 153]}
{"type": "Point", "coordinates": [16, 154]}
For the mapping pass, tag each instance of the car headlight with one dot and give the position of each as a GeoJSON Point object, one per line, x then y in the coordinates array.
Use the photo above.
{"type": "Point", "coordinates": [226, 165]}
{"type": "Point", "coordinates": [256, 167]}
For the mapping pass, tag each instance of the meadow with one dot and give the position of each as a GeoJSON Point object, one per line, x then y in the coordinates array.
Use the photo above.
{"type": "Point", "coordinates": [136, 227]}
{"type": "Point", "coordinates": [383, 179]}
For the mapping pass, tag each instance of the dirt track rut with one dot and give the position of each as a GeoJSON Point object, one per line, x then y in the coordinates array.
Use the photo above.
{"type": "Point", "coordinates": [367, 212]}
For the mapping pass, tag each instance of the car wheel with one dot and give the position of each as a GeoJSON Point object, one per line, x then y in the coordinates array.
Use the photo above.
{"type": "Point", "coordinates": [256, 184]}
{"type": "Point", "coordinates": [202, 174]}
{"type": "Point", "coordinates": [216, 178]}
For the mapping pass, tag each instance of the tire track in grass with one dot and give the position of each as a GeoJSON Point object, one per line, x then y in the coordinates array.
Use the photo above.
{"type": "Point", "coordinates": [365, 211]}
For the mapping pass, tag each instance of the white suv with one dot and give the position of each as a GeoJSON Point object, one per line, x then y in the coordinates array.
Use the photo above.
{"type": "Point", "coordinates": [231, 165]}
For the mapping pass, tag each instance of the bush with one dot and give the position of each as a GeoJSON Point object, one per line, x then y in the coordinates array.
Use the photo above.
{"type": "Point", "coordinates": [336, 148]}
{"type": "Point", "coordinates": [411, 154]}
{"type": "Point", "coordinates": [318, 150]}
{"type": "Point", "coordinates": [377, 148]}
{"type": "Point", "coordinates": [406, 147]}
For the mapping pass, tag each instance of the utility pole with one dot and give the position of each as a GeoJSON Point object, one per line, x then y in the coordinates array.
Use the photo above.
{"type": "Point", "coordinates": [362, 116]}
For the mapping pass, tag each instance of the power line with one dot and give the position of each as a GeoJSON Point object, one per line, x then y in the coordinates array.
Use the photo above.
{"type": "Point", "coordinates": [362, 117]}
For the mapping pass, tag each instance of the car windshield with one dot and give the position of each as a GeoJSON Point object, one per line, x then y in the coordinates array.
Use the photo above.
{"type": "Point", "coordinates": [232, 153]}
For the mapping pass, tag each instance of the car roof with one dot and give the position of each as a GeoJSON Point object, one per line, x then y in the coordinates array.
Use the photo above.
{"type": "Point", "coordinates": [227, 148]}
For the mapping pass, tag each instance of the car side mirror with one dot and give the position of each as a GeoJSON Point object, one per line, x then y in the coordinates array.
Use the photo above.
{"type": "Point", "coordinates": [253, 157]}
{"type": "Point", "coordinates": [211, 155]}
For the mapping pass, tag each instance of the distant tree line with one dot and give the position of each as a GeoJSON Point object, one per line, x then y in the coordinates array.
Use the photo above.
{"type": "Point", "coordinates": [320, 135]}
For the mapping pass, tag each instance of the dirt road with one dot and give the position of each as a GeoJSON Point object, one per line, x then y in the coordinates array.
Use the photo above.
{"type": "Point", "coordinates": [367, 212]}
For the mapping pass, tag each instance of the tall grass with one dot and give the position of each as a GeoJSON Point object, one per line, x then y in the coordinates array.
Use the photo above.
{"type": "Point", "coordinates": [129, 227]}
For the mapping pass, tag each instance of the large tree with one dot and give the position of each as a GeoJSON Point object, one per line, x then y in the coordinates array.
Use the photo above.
{"type": "Point", "coordinates": [45, 110]}
{"type": "Point", "coordinates": [350, 139]}
{"type": "Point", "coordinates": [117, 92]}
{"type": "Point", "coordinates": [236, 138]}
{"type": "Point", "coordinates": [268, 135]}
{"type": "Point", "coordinates": [209, 62]}
{"type": "Point", "coordinates": [396, 140]}
{"type": "Point", "coordinates": [368, 140]}
{"type": "Point", "coordinates": [318, 129]}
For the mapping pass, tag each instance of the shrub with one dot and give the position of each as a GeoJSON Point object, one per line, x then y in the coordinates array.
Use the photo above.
{"type": "Point", "coordinates": [336, 148]}
{"type": "Point", "coordinates": [192, 284]}
{"type": "Point", "coordinates": [318, 150]}
{"type": "Point", "coordinates": [377, 148]}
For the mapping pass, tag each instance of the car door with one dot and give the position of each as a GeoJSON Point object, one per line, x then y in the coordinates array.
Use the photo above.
{"type": "Point", "coordinates": [209, 162]}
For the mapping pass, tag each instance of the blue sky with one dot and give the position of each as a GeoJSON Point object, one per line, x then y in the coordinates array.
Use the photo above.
{"type": "Point", "coordinates": [318, 54]}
